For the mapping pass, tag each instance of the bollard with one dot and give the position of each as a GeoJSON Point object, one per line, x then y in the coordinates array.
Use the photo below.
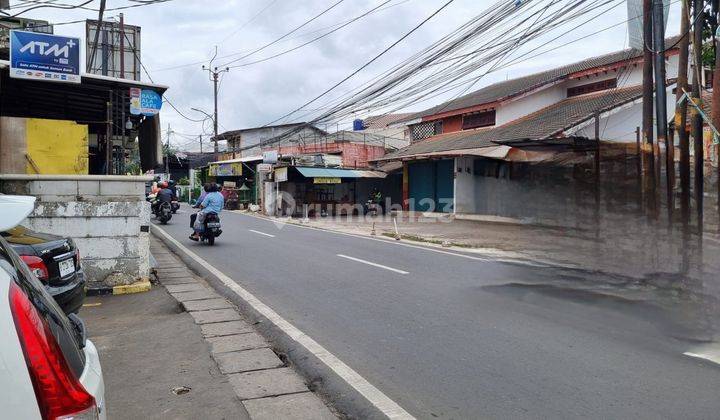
{"type": "Point", "coordinates": [397, 232]}
{"type": "Point", "coordinates": [372, 232]}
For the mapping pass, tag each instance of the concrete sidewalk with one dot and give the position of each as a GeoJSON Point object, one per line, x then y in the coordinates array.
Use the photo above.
{"type": "Point", "coordinates": [267, 387]}
{"type": "Point", "coordinates": [148, 347]}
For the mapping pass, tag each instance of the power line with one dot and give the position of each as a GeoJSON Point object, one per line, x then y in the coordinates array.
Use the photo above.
{"type": "Point", "coordinates": [297, 28]}
{"type": "Point", "coordinates": [255, 16]}
{"type": "Point", "coordinates": [368, 63]}
{"type": "Point", "coordinates": [314, 39]}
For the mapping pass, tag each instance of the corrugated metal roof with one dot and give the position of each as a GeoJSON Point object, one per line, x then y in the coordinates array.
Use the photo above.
{"type": "Point", "coordinates": [339, 173]}
{"type": "Point", "coordinates": [540, 125]}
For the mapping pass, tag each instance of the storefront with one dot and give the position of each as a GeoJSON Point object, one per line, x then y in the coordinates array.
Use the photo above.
{"type": "Point", "coordinates": [315, 191]}
{"type": "Point", "coordinates": [238, 179]}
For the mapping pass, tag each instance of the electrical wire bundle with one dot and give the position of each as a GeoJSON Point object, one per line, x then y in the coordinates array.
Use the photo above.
{"type": "Point", "coordinates": [484, 44]}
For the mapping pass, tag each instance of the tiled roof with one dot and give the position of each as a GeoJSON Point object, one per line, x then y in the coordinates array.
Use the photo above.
{"type": "Point", "coordinates": [540, 125]}
{"type": "Point", "coordinates": [230, 135]}
{"type": "Point", "coordinates": [513, 87]}
{"type": "Point", "coordinates": [382, 121]}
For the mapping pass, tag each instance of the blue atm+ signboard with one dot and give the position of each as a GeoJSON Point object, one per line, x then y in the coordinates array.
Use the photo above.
{"type": "Point", "coordinates": [46, 57]}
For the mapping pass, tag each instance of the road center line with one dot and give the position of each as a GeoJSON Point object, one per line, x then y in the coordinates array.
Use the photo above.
{"type": "Point", "coordinates": [261, 233]}
{"type": "Point", "coordinates": [373, 264]}
{"type": "Point", "coordinates": [376, 397]}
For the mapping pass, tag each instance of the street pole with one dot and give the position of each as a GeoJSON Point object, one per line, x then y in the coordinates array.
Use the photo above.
{"type": "Point", "coordinates": [716, 105]}
{"type": "Point", "coordinates": [200, 137]}
{"type": "Point", "coordinates": [214, 74]}
{"type": "Point", "coordinates": [648, 158]}
{"type": "Point", "coordinates": [697, 123]}
{"type": "Point", "coordinates": [108, 137]}
{"type": "Point", "coordinates": [661, 99]}
{"type": "Point", "coordinates": [681, 113]}
{"type": "Point", "coordinates": [122, 48]}
{"type": "Point", "coordinates": [167, 153]}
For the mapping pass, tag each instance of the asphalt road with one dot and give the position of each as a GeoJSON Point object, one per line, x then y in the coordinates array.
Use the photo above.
{"type": "Point", "coordinates": [455, 337]}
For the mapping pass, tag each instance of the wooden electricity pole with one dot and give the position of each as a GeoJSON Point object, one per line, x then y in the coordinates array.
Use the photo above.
{"type": "Point", "coordinates": [648, 159]}
{"type": "Point", "coordinates": [681, 112]}
{"type": "Point", "coordinates": [697, 122]}
{"type": "Point", "coordinates": [661, 98]}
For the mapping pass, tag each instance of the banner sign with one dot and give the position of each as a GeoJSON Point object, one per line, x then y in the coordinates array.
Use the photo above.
{"type": "Point", "coordinates": [281, 174]}
{"type": "Point", "coordinates": [46, 57]}
{"type": "Point", "coordinates": [150, 102]}
{"type": "Point", "coordinates": [326, 180]}
{"type": "Point", "coordinates": [225, 169]}
{"type": "Point", "coordinates": [135, 108]}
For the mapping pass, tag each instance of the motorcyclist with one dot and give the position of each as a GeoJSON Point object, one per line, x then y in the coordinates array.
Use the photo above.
{"type": "Point", "coordinates": [212, 203]}
{"type": "Point", "coordinates": [173, 187]}
{"type": "Point", "coordinates": [165, 194]}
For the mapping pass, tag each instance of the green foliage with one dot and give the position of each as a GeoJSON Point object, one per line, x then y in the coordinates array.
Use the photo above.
{"type": "Point", "coordinates": [184, 181]}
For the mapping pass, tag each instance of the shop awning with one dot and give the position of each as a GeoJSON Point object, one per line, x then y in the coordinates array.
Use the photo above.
{"type": "Point", "coordinates": [339, 173]}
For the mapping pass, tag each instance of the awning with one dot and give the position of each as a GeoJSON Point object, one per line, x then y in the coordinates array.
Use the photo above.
{"type": "Point", "coordinates": [239, 160]}
{"type": "Point", "coordinates": [339, 173]}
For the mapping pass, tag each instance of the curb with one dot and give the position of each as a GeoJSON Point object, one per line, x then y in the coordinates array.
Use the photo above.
{"type": "Point", "coordinates": [138, 287]}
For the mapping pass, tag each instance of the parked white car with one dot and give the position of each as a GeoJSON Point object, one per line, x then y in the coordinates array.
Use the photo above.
{"type": "Point", "coordinates": [48, 367]}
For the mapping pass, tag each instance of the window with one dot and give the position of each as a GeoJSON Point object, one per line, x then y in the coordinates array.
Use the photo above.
{"type": "Point", "coordinates": [424, 130]}
{"type": "Point", "coordinates": [592, 87]}
{"type": "Point", "coordinates": [478, 119]}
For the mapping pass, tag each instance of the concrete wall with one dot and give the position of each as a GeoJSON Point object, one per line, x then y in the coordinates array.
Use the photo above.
{"type": "Point", "coordinates": [256, 136]}
{"type": "Point", "coordinates": [107, 216]}
{"type": "Point", "coordinates": [464, 186]}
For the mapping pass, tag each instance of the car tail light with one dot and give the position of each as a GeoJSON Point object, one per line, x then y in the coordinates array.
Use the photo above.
{"type": "Point", "coordinates": [59, 393]}
{"type": "Point", "coordinates": [37, 266]}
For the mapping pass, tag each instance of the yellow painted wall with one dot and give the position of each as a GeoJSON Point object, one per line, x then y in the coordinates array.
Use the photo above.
{"type": "Point", "coordinates": [57, 147]}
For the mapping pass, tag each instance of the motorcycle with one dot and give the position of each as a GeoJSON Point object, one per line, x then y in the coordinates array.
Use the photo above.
{"type": "Point", "coordinates": [162, 210]}
{"type": "Point", "coordinates": [211, 229]}
{"type": "Point", "coordinates": [175, 206]}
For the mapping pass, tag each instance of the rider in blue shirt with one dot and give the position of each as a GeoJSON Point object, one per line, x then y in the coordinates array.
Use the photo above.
{"type": "Point", "coordinates": [212, 203]}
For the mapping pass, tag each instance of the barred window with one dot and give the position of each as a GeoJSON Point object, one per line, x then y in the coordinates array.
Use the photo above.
{"type": "Point", "coordinates": [424, 130]}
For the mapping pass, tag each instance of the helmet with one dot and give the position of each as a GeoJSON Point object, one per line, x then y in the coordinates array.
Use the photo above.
{"type": "Point", "coordinates": [171, 183]}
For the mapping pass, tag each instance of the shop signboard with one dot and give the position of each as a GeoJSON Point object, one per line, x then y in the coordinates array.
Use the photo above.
{"type": "Point", "coordinates": [281, 174]}
{"type": "Point", "coordinates": [264, 167]}
{"type": "Point", "coordinates": [225, 169]}
{"type": "Point", "coordinates": [135, 108]}
{"type": "Point", "coordinates": [326, 180]}
{"type": "Point", "coordinates": [150, 102]}
{"type": "Point", "coordinates": [47, 57]}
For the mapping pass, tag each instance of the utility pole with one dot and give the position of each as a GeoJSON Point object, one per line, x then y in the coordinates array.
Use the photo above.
{"type": "Point", "coordinates": [648, 158]}
{"type": "Point", "coordinates": [214, 74]}
{"type": "Point", "coordinates": [716, 101]}
{"type": "Point", "coordinates": [661, 99]}
{"type": "Point", "coordinates": [167, 153]}
{"type": "Point", "coordinates": [108, 137]}
{"type": "Point", "coordinates": [697, 123]}
{"type": "Point", "coordinates": [681, 112]}
{"type": "Point", "coordinates": [122, 46]}
{"type": "Point", "coordinates": [200, 138]}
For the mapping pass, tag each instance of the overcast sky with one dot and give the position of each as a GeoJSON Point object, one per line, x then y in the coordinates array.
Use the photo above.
{"type": "Point", "coordinates": [183, 32]}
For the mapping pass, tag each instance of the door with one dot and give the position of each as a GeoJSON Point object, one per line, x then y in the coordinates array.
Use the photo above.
{"type": "Point", "coordinates": [431, 186]}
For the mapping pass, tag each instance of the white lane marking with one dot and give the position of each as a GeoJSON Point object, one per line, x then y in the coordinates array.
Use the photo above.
{"type": "Point", "coordinates": [261, 233]}
{"type": "Point", "coordinates": [376, 397]}
{"type": "Point", "coordinates": [490, 256]}
{"type": "Point", "coordinates": [709, 352]}
{"type": "Point", "coordinates": [372, 263]}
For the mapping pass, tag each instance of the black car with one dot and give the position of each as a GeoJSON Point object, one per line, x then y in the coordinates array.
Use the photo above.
{"type": "Point", "coordinates": [55, 261]}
